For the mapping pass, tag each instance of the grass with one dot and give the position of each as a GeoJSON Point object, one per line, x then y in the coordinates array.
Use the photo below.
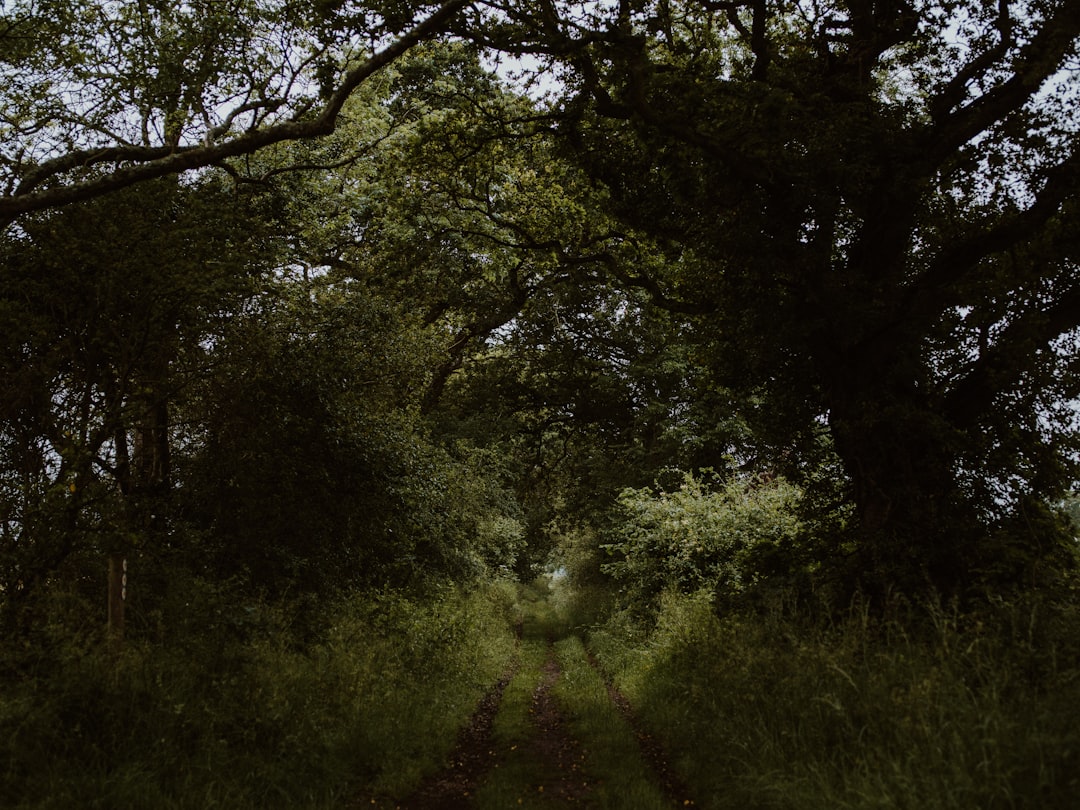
{"type": "Point", "coordinates": [245, 714]}
{"type": "Point", "coordinates": [620, 778]}
{"type": "Point", "coordinates": [237, 709]}
{"type": "Point", "coordinates": [765, 712]}
{"type": "Point", "coordinates": [517, 777]}
{"type": "Point", "coordinates": [608, 762]}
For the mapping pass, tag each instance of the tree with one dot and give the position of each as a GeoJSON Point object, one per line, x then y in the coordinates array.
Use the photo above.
{"type": "Point", "coordinates": [105, 311]}
{"type": "Point", "coordinates": [859, 215]}
{"type": "Point", "coordinates": [466, 211]}
{"type": "Point", "coordinates": [871, 204]}
{"type": "Point", "coordinates": [97, 96]}
{"type": "Point", "coordinates": [308, 467]}
{"type": "Point", "coordinates": [310, 464]}
{"type": "Point", "coordinates": [186, 380]}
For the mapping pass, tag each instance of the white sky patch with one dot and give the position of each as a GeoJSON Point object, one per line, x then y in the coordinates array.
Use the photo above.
{"type": "Point", "coordinates": [527, 74]}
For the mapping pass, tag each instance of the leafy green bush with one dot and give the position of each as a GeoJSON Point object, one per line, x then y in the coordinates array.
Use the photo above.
{"type": "Point", "coordinates": [707, 535]}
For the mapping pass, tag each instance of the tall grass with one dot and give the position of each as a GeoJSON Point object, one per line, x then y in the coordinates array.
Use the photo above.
{"type": "Point", "coordinates": [966, 711]}
{"type": "Point", "coordinates": [244, 712]}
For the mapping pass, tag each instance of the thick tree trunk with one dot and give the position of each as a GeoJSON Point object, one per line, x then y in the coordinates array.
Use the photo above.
{"type": "Point", "coordinates": [915, 531]}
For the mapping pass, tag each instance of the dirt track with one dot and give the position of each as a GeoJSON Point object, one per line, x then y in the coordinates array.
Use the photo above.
{"type": "Point", "coordinates": [551, 748]}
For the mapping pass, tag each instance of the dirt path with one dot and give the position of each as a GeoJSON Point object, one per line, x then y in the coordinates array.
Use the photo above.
{"type": "Point", "coordinates": [557, 761]}
{"type": "Point", "coordinates": [551, 747]}
{"type": "Point", "coordinates": [559, 753]}
{"type": "Point", "coordinates": [474, 755]}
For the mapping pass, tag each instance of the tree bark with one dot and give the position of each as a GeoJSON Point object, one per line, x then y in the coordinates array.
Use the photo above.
{"type": "Point", "coordinates": [117, 597]}
{"type": "Point", "coordinates": [915, 529]}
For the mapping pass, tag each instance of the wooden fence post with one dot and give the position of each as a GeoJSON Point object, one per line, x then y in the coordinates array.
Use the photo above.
{"type": "Point", "coordinates": [117, 595]}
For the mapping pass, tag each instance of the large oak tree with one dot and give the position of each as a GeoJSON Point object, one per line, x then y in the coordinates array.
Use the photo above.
{"type": "Point", "coordinates": [872, 205]}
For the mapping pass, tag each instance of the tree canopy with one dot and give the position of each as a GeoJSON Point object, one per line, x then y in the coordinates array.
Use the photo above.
{"type": "Point", "coordinates": [98, 96]}
{"type": "Point", "coordinates": [869, 206]}
{"type": "Point", "coordinates": [272, 269]}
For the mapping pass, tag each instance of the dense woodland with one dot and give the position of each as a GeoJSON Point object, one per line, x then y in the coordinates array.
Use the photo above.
{"type": "Point", "coordinates": [736, 340]}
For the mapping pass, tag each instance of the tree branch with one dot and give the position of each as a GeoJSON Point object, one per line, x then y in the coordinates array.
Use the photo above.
{"type": "Point", "coordinates": [953, 92]}
{"type": "Point", "coordinates": [930, 294]}
{"type": "Point", "coordinates": [1002, 364]}
{"type": "Point", "coordinates": [1037, 62]}
{"type": "Point", "coordinates": [477, 329]}
{"type": "Point", "coordinates": [656, 292]}
{"type": "Point", "coordinates": [146, 163]}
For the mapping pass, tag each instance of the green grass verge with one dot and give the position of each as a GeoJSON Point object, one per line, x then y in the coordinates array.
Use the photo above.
{"type": "Point", "coordinates": [618, 775]}
{"type": "Point", "coordinates": [761, 712]}
{"type": "Point", "coordinates": [240, 714]}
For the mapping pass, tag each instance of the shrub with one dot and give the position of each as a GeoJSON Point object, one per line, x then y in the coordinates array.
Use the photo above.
{"type": "Point", "coordinates": [708, 535]}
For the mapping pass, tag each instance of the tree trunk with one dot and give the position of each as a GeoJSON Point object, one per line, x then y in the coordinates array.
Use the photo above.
{"type": "Point", "coordinates": [915, 530]}
{"type": "Point", "coordinates": [152, 452]}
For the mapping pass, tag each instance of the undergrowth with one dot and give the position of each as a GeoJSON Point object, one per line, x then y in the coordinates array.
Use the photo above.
{"type": "Point", "coordinates": [937, 710]}
{"type": "Point", "coordinates": [239, 708]}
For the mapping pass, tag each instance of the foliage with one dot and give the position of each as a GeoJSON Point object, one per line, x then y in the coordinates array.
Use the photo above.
{"type": "Point", "coordinates": [832, 242]}
{"type": "Point", "coordinates": [310, 469]}
{"type": "Point", "coordinates": [230, 711]}
{"type": "Point", "coordinates": [105, 310]}
{"type": "Point", "coordinates": [98, 96]}
{"type": "Point", "coordinates": [827, 248]}
{"type": "Point", "coordinates": [868, 222]}
{"type": "Point", "coordinates": [185, 374]}
{"type": "Point", "coordinates": [708, 535]}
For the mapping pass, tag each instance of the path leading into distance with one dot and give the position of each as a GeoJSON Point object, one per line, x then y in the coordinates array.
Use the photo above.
{"type": "Point", "coordinates": [551, 733]}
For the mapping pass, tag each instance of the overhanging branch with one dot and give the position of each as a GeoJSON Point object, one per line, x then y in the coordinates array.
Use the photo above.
{"type": "Point", "coordinates": [146, 163]}
{"type": "Point", "coordinates": [1036, 62]}
{"type": "Point", "coordinates": [931, 292]}
{"type": "Point", "coordinates": [1001, 365]}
